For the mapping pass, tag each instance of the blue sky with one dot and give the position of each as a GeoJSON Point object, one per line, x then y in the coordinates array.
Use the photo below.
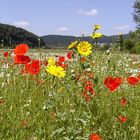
{"type": "Point", "coordinates": [68, 17]}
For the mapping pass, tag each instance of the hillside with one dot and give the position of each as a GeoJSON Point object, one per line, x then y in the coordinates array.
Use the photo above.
{"type": "Point", "coordinates": [53, 40]}
{"type": "Point", "coordinates": [11, 36]}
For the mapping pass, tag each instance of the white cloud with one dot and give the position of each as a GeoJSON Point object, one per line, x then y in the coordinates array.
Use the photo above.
{"type": "Point", "coordinates": [62, 29]}
{"type": "Point", "coordinates": [21, 23]}
{"type": "Point", "coordinates": [123, 27]}
{"type": "Point", "coordinates": [92, 12]}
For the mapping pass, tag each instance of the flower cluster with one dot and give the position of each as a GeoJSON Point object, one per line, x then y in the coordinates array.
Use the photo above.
{"type": "Point", "coordinates": [88, 90]}
{"type": "Point", "coordinates": [30, 66]}
{"type": "Point", "coordinates": [96, 35]}
{"type": "Point", "coordinates": [113, 83]}
{"type": "Point", "coordinates": [101, 83]}
{"type": "Point", "coordinates": [84, 47]}
{"type": "Point", "coordinates": [57, 68]}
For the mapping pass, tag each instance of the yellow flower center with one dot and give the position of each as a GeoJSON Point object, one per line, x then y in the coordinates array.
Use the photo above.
{"type": "Point", "coordinates": [84, 49]}
{"type": "Point", "coordinates": [57, 73]}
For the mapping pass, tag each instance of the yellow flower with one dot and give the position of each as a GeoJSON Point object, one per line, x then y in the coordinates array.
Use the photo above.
{"type": "Point", "coordinates": [97, 27]}
{"type": "Point", "coordinates": [96, 35]}
{"type": "Point", "coordinates": [73, 44]}
{"type": "Point", "coordinates": [56, 71]}
{"type": "Point", "coordinates": [51, 61]}
{"type": "Point", "coordinates": [84, 48]}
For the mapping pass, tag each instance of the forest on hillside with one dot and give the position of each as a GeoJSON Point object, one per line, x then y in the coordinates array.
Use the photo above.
{"type": "Point", "coordinates": [11, 36]}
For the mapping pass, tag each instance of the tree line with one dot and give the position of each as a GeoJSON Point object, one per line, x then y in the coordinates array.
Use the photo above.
{"type": "Point", "coordinates": [11, 36]}
{"type": "Point", "coordinates": [133, 42]}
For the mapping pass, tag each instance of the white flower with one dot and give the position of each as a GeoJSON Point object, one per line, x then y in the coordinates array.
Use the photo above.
{"type": "Point", "coordinates": [1, 74]}
{"type": "Point", "coordinates": [135, 62]}
{"type": "Point", "coordinates": [88, 69]}
{"type": "Point", "coordinates": [135, 71]}
{"type": "Point", "coordinates": [72, 111]}
{"type": "Point", "coordinates": [2, 84]}
{"type": "Point", "coordinates": [72, 71]}
{"type": "Point", "coordinates": [8, 75]}
{"type": "Point", "coordinates": [44, 107]}
{"type": "Point", "coordinates": [5, 66]}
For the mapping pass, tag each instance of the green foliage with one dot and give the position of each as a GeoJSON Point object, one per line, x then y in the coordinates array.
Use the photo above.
{"type": "Point", "coordinates": [136, 14]}
{"type": "Point", "coordinates": [31, 109]}
{"type": "Point", "coordinates": [120, 42]}
{"type": "Point", "coordinates": [135, 36]}
{"type": "Point", "coordinates": [136, 48]}
{"type": "Point", "coordinates": [131, 43]}
{"type": "Point", "coordinates": [11, 36]}
{"type": "Point", "coordinates": [128, 44]}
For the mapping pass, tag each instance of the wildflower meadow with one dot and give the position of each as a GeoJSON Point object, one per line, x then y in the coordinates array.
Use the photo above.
{"type": "Point", "coordinates": [80, 94]}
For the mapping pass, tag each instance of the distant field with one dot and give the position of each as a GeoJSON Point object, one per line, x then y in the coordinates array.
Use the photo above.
{"type": "Point", "coordinates": [36, 105]}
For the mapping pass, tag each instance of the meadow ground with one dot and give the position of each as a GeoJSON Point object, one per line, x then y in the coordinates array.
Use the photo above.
{"type": "Point", "coordinates": [89, 100]}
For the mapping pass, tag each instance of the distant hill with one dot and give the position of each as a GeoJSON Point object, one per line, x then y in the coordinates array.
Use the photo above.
{"type": "Point", "coordinates": [54, 40]}
{"type": "Point", "coordinates": [11, 36]}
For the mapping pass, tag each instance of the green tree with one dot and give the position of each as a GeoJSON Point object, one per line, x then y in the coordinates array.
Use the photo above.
{"type": "Point", "coordinates": [120, 41]}
{"type": "Point", "coordinates": [136, 14]}
{"type": "Point", "coordinates": [11, 36]}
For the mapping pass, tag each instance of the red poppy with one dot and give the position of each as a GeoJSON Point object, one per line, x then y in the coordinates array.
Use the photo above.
{"type": "Point", "coordinates": [133, 80]}
{"type": "Point", "coordinates": [88, 98]}
{"type": "Point", "coordinates": [69, 55]}
{"type": "Point", "coordinates": [21, 49]}
{"type": "Point", "coordinates": [91, 75]}
{"type": "Point", "coordinates": [95, 137]}
{"type": "Point", "coordinates": [123, 101]}
{"type": "Point", "coordinates": [5, 54]}
{"type": "Point", "coordinates": [88, 82]}
{"type": "Point", "coordinates": [88, 85]}
{"type": "Point", "coordinates": [113, 83]}
{"type": "Point", "coordinates": [35, 67]}
{"type": "Point", "coordinates": [46, 63]}
{"type": "Point", "coordinates": [86, 93]}
{"type": "Point", "coordinates": [123, 119]}
{"type": "Point", "coordinates": [62, 65]}
{"type": "Point", "coordinates": [88, 89]}
{"type": "Point", "coordinates": [61, 58]}
{"type": "Point", "coordinates": [21, 59]}
{"type": "Point", "coordinates": [92, 91]}
{"type": "Point", "coordinates": [83, 59]}
{"type": "Point", "coordinates": [26, 69]}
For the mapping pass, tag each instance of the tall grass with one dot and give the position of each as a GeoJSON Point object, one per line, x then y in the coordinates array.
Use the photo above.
{"type": "Point", "coordinates": [46, 108]}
